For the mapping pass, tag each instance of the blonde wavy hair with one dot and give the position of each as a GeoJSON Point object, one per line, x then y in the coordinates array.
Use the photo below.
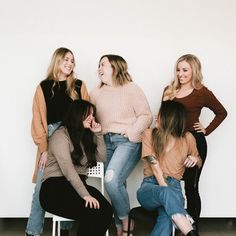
{"type": "Point", "coordinates": [197, 77]}
{"type": "Point", "coordinates": [121, 75]}
{"type": "Point", "coordinates": [54, 70]}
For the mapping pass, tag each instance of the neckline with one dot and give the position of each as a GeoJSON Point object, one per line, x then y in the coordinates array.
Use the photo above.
{"type": "Point", "coordinates": [186, 95]}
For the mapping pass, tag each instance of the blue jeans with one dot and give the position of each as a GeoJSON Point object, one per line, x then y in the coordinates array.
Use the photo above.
{"type": "Point", "coordinates": [168, 201]}
{"type": "Point", "coordinates": [122, 157]}
{"type": "Point", "coordinates": [36, 219]}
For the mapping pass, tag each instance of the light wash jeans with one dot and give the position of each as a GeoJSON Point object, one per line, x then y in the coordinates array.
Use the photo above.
{"type": "Point", "coordinates": [122, 157]}
{"type": "Point", "coordinates": [36, 219]}
{"type": "Point", "coordinates": [168, 201]}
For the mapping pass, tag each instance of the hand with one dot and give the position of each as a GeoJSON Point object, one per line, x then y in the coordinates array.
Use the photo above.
{"type": "Point", "coordinates": [91, 202]}
{"type": "Point", "coordinates": [199, 127]}
{"type": "Point", "coordinates": [95, 127]}
{"type": "Point", "coordinates": [43, 160]}
{"type": "Point", "coordinates": [191, 161]}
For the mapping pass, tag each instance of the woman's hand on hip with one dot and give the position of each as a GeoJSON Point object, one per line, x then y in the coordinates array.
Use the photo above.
{"type": "Point", "coordinates": [199, 127]}
{"type": "Point", "coordinates": [91, 202]}
{"type": "Point", "coordinates": [191, 161]}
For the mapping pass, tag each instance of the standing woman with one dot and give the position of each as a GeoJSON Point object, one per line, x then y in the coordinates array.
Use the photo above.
{"type": "Point", "coordinates": [52, 98]}
{"type": "Point", "coordinates": [73, 148]}
{"type": "Point", "coordinates": [124, 113]}
{"type": "Point", "coordinates": [188, 89]}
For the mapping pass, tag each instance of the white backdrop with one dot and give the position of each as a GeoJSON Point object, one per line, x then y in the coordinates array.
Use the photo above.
{"type": "Point", "coordinates": [150, 35]}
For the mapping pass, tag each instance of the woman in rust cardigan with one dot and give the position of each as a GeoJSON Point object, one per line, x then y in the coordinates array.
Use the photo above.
{"type": "Point", "coordinates": [51, 101]}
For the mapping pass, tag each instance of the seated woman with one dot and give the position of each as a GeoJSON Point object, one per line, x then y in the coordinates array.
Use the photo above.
{"type": "Point", "coordinates": [166, 151]}
{"type": "Point", "coordinates": [72, 150]}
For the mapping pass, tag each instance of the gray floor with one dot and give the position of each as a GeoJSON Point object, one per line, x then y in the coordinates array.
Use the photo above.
{"type": "Point", "coordinates": [208, 227]}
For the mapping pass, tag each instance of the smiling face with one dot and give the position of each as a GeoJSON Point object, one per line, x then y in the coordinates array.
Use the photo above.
{"type": "Point", "coordinates": [105, 71]}
{"type": "Point", "coordinates": [66, 66]}
{"type": "Point", "coordinates": [184, 73]}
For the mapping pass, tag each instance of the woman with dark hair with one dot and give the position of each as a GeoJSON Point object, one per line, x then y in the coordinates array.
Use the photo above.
{"type": "Point", "coordinates": [166, 151]}
{"type": "Point", "coordinates": [72, 150]}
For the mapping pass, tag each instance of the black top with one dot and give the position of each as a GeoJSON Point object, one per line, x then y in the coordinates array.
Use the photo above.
{"type": "Point", "coordinates": [58, 101]}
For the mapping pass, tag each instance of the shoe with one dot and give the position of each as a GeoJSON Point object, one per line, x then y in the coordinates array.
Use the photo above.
{"type": "Point", "coordinates": [64, 232]}
{"type": "Point", "coordinates": [193, 233]}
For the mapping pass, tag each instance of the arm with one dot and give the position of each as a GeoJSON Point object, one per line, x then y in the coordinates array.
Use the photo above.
{"type": "Point", "coordinates": [157, 171]}
{"type": "Point", "coordinates": [142, 112]}
{"type": "Point", "coordinates": [60, 149]}
{"type": "Point", "coordinates": [148, 155]}
{"type": "Point", "coordinates": [84, 92]}
{"type": "Point", "coordinates": [39, 121]}
{"type": "Point", "coordinates": [214, 105]}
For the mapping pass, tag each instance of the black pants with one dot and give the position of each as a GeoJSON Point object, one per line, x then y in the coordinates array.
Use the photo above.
{"type": "Point", "coordinates": [58, 197]}
{"type": "Point", "coordinates": [191, 179]}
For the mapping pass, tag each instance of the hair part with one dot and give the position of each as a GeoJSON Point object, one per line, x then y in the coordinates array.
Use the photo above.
{"type": "Point", "coordinates": [197, 76]}
{"type": "Point", "coordinates": [121, 75]}
{"type": "Point", "coordinates": [54, 70]}
{"type": "Point", "coordinates": [172, 122]}
{"type": "Point", "coordinates": [82, 138]}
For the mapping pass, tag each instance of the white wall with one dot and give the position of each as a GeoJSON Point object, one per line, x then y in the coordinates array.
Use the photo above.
{"type": "Point", "coordinates": [150, 35]}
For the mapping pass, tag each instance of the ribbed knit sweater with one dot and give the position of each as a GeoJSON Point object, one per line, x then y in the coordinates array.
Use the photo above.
{"type": "Point", "coordinates": [122, 109]}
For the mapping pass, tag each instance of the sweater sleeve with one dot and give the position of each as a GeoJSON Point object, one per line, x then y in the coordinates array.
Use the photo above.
{"type": "Point", "coordinates": [214, 105]}
{"type": "Point", "coordinates": [60, 149]}
{"type": "Point", "coordinates": [142, 112]}
{"type": "Point", "coordinates": [101, 147]}
{"type": "Point", "coordinates": [38, 131]}
{"type": "Point", "coordinates": [84, 92]}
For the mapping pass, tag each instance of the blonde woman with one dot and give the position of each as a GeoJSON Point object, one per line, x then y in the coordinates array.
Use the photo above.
{"type": "Point", "coordinates": [124, 113]}
{"type": "Point", "coordinates": [52, 98]}
{"type": "Point", "coordinates": [188, 89]}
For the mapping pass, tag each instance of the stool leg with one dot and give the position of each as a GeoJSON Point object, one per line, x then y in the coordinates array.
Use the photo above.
{"type": "Point", "coordinates": [54, 228]}
{"type": "Point", "coordinates": [129, 223]}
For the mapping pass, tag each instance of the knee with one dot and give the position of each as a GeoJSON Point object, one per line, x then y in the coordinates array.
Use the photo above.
{"type": "Point", "coordinates": [110, 180]}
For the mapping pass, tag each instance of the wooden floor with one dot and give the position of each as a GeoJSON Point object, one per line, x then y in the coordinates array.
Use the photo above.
{"type": "Point", "coordinates": [208, 227]}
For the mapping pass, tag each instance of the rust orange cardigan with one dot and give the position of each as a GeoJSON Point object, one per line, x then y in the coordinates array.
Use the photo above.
{"type": "Point", "coordinates": [39, 126]}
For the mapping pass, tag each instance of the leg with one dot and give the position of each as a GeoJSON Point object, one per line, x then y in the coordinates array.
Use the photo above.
{"type": "Point", "coordinates": [124, 159]}
{"type": "Point", "coordinates": [59, 197]}
{"type": "Point", "coordinates": [37, 213]}
{"type": "Point", "coordinates": [191, 178]}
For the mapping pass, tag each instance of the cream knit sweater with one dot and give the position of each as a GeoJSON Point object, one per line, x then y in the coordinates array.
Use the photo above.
{"type": "Point", "coordinates": [122, 109]}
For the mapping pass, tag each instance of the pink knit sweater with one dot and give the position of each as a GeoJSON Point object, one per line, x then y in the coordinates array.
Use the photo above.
{"type": "Point", "coordinates": [122, 109]}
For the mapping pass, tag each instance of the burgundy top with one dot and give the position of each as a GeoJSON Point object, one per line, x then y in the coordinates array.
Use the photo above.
{"type": "Point", "coordinates": [194, 103]}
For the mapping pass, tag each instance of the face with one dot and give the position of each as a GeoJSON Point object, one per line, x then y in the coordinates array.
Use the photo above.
{"type": "Point", "coordinates": [89, 119]}
{"type": "Point", "coordinates": [184, 72]}
{"type": "Point", "coordinates": [105, 71]}
{"type": "Point", "coordinates": [67, 64]}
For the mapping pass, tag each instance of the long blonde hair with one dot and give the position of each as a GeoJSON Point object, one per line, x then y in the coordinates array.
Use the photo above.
{"type": "Point", "coordinates": [121, 75]}
{"type": "Point", "coordinates": [54, 70]}
{"type": "Point", "coordinates": [197, 77]}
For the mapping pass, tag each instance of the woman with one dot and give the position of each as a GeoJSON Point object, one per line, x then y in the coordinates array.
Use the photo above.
{"type": "Point", "coordinates": [71, 152]}
{"type": "Point", "coordinates": [188, 89]}
{"type": "Point", "coordinates": [123, 111]}
{"type": "Point", "coordinates": [166, 151]}
{"type": "Point", "coordinates": [51, 101]}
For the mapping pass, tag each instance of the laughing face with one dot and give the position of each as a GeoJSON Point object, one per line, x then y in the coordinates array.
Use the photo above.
{"type": "Point", "coordinates": [67, 65]}
{"type": "Point", "coordinates": [105, 71]}
{"type": "Point", "coordinates": [184, 73]}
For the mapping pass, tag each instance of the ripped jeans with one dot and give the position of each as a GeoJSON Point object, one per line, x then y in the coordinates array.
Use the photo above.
{"type": "Point", "coordinates": [167, 200]}
{"type": "Point", "coordinates": [122, 157]}
{"type": "Point", "coordinates": [36, 219]}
